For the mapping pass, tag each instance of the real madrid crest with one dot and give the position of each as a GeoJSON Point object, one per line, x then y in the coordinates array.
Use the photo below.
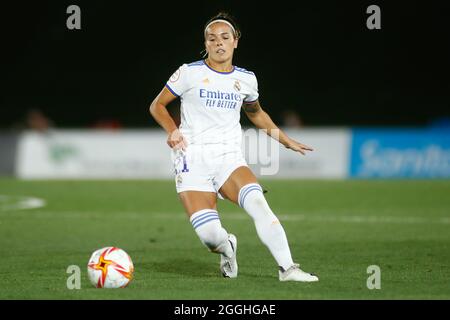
{"type": "Point", "coordinates": [237, 85]}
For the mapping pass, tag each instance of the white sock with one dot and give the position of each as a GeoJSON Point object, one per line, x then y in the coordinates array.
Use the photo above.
{"type": "Point", "coordinates": [268, 227]}
{"type": "Point", "coordinates": [207, 225]}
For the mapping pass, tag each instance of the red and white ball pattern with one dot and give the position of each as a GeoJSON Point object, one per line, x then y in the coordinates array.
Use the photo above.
{"type": "Point", "coordinates": [110, 267]}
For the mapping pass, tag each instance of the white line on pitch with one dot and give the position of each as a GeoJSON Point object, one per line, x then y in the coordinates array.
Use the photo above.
{"type": "Point", "coordinates": [124, 215]}
{"type": "Point", "coordinates": [13, 203]}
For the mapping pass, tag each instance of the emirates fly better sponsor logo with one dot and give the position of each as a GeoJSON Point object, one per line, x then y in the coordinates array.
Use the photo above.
{"type": "Point", "coordinates": [220, 99]}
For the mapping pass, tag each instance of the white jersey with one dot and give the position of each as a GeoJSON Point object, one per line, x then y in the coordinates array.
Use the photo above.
{"type": "Point", "coordinates": [211, 102]}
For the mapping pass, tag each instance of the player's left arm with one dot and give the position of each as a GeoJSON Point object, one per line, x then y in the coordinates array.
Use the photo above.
{"type": "Point", "coordinates": [262, 120]}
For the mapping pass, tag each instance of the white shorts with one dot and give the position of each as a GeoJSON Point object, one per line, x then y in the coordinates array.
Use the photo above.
{"type": "Point", "coordinates": [205, 167]}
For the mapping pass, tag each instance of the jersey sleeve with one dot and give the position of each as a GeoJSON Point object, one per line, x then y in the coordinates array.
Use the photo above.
{"type": "Point", "coordinates": [178, 83]}
{"type": "Point", "coordinates": [253, 94]}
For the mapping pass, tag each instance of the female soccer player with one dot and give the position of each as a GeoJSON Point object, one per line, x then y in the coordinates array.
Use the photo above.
{"type": "Point", "coordinates": [206, 148]}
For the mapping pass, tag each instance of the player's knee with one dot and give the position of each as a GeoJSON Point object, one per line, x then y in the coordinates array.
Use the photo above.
{"type": "Point", "coordinates": [248, 193]}
{"type": "Point", "coordinates": [252, 199]}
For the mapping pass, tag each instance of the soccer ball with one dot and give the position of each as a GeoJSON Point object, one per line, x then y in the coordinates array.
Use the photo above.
{"type": "Point", "coordinates": [110, 267]}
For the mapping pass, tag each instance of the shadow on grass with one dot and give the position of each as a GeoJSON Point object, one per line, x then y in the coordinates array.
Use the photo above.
{"type": "Point", "coordinates": [200, 269]}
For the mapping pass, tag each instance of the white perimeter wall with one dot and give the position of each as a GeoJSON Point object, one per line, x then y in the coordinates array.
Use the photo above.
{"type": "Point", "coordinates": [144, 154]}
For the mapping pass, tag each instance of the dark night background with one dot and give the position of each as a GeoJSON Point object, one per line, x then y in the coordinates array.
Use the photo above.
{"type": "Point", "coordinates": [316, 57]}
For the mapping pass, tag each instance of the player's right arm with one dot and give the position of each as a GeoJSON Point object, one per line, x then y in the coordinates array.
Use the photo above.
{"type": "Point", "coordinates": [158, 110]}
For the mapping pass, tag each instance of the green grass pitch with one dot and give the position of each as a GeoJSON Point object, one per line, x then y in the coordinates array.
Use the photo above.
{"type": "Point", "coordinates": [335, 229]}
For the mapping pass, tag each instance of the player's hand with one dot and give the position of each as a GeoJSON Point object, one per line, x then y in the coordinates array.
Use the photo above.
{"type": "Point", "coordinates": [298, 147]}
{"type": "Point", "coordinates": [176, 141]}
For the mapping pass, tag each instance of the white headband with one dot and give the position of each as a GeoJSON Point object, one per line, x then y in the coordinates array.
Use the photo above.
{"type": "Point", "coordinates": [221, 20]}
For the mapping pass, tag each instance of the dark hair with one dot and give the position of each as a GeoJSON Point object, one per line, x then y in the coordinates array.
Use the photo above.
{"type": "Point", "coordinates": [227, 17]}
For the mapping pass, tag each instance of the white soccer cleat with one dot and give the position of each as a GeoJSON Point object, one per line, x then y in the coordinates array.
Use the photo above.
{"type": "Point", "coordinates": [294, 273]}
{"type": "Point", "coordinates": [229, 266]}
